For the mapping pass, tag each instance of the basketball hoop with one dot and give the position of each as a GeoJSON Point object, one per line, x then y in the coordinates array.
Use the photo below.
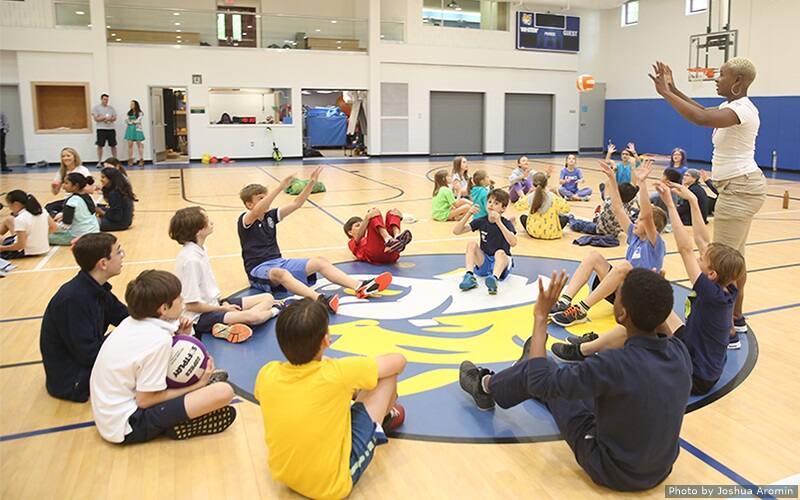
{"type": "Point", "coordinates": [701, 74]}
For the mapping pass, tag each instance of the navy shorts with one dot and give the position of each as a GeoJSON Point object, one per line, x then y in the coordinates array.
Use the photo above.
{"type": "Point", "coordinates": [259, 276]}
{"type": "Point", "coordinates": [208, 320]}
{"type": "Point", "coordinates": [364, 440]}
{"type": "Point", "coordinates": [149, 423]}
{"type": "Point", "coordinates": [487, 267]}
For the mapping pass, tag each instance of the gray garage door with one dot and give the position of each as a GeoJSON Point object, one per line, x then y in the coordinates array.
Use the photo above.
{"type": "Point", "coordinates": [528, 123]}
{"type": "Point", "coordinates": [456, 123]}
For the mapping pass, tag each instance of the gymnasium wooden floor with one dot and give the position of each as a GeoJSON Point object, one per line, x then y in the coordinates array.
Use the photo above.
{"type": "Point", "coordinates": [49, 448]}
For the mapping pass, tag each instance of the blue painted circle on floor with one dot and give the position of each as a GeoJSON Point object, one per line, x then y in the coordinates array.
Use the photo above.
{"type": "Point", "coordinates": [425, 316]}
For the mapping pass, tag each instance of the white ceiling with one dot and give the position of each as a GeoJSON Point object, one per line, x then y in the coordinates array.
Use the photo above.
{"type": "Point", "coordinates": [563, 5]}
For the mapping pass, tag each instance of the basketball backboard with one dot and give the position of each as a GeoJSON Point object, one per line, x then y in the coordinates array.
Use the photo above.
{"type": "Point", "coordinates": [708, 52]}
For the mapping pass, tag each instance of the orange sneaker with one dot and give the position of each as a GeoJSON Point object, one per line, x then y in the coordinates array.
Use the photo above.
{"type": "Point", "coordinates": [232, 333]}
{"type": "Point", "coordinates": [377, 284]}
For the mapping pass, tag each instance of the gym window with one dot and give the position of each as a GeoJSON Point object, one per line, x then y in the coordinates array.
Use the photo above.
{"type": "Point", "coordinates": [695, 6]}
{"type": "Point", "coordinates": [249, 106]}
{"type": "Point", "coordinates": [470, 14]}
{"type": "Point", "coordinates": [630, 13]}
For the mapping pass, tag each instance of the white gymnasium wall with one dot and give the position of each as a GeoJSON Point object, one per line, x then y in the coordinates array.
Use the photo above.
{"type": "Point", "coordinates": [223, 67]}
{"type": "Point", "coordinates": [767, 30]}
{"type": "Point", "coordinates": [28, 14]}
{"type": "Point", "coordinates": [8, 67]}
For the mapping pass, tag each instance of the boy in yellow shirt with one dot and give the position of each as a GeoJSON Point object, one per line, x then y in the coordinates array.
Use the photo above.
{"type": "Point", "coordinates": [319, 439]}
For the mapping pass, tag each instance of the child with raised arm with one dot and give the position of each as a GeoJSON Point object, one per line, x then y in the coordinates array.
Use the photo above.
{"type": "Point", "coordinates": [320, 440]}
{"type": "Point", "coordinates": [226, 319]}
{"type": "Point", "coordinates": [375, 240]}
{"type": "Point", "coordinates": [645, 249]}
{"type": "Point", "coordinates": [492, 258]}
{"type": "Point", "coordinates": [623, 169]}
{"type": "Point", "coordinates": [708, 324]}
{"type": "Point", "coordinates": [601, 406]}
{"type": "Point", "coordinates": [130, 399]}
{"type": "Point", "coordinates": [521, 179]}
{"type": "Point", "coordinates": [267, 270]}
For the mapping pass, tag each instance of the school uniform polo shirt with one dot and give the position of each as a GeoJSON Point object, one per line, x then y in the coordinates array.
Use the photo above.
{"type": "Point", "coordinates": [198, 283]}
{"type": "Point", "coordinates": [73, 330]}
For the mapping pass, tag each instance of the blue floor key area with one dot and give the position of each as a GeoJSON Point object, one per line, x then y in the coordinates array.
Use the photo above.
{"type": "Point", "coordinates": [425, 316]}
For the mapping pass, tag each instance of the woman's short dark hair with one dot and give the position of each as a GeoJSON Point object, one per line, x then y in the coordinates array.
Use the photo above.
{"type": "Point", "coordinates": [300, 330]}
{"type": "Point", "coordinates": [149, 291]}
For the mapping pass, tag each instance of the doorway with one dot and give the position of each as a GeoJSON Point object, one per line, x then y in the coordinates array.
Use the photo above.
{"type": "Point", "coordinates": [592, 118]}
{"type": "Point", "coordinates": [456, 123]}
{"type": "Point", "coordinates": [10, 105]}
{"type": "Point", "coordinates": [169, 128]}
{"type": "Point", "coordinates": [334, 123]}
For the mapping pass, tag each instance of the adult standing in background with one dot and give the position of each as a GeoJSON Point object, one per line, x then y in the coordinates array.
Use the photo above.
{"type": "Point", "coordinates": [104, 117]}
{"type": "Point", "coordinates": [134, 133]}
{"type": "Point", "coordinates": [741, 184]}
{"type": "Point", "coordinates": [3, 133]}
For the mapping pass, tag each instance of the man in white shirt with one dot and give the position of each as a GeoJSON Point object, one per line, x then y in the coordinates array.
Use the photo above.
{"type": "Point", "coordinates": [104, 117]}
{"type": "Point", "coordinates": [130, 399]}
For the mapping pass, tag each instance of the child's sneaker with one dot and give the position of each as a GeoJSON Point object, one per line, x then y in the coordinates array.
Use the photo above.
{"type": "Point", "coordinates": [210, 423]}
{"type": "Point", "coordinates": [405, 238]}
{"type": "Point", "coordinates": [234, 334]}
{"type": "Point", "coordinates": [734, 342]}
{"type": "Point", "coordinates": [330, 301]}
{"type": "Point", "coordinates": [469, 379]}
{"type": "Point", "coordinates": [560, 306]}
{"type": "Point", "coordinates": [570, 316]}
{"type": "Point", "coordinates": [377, 284]}
{"type": "Point", "coordinates": [218, 375]}
{"type": "Point", "coordinates": [740, 325]}
{"type": "Point", "coordinates": [394, 419]}
{"type": "Point", "coordinates": [571, 353]}
{"type": "Point", "coordinates": [491, 284]}
{"type": "Point", "coordinates": [469, 282]}
{"type": "Point", "coordinates": [586, 337]}
{"type": "Point", "coordinates": [585, 198]}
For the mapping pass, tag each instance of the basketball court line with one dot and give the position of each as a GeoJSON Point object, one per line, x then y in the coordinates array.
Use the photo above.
{"type": "Point", "coordinates": [749, 271]}
{"type": "Point", "coordinates": [718, 466]}
{"type": "Point", "coordinates": [22, 363]}
{"type": "Point", "coordinates": [49, 255]}
{"type": "Point", "coordinates": [24, 318]}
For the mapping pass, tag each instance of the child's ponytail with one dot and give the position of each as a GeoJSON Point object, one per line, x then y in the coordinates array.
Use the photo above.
{"type": "Point", "coordinates": [539, 184]}
{"type": "Point", "coordinates": [29, 201]}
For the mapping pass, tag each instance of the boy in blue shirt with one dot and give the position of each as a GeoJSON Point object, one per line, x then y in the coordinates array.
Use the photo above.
{"type": "Point", "coordinates": [708, 325]}
{"type": "Point", "coordinates": [620, 411]}
{"type": "Point", "coordinates": [492, 258]}
{"type": "Point", "coordinates": [646, 249]}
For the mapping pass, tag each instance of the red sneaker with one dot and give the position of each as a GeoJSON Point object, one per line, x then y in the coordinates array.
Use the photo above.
{"type": "Point", "coordinates": [394, 419]}
{"type": "Point", "coordinates": [377, 284]}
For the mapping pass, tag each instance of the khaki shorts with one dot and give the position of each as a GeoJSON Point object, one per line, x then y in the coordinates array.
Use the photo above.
{"type": "Point", "coordinates": [739, 199]}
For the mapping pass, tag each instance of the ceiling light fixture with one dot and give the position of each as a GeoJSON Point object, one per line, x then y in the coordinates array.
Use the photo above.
{"type": "Point", "coordinates": [334, 21]}
{"type": "Point", "coordinates": [80, 12]}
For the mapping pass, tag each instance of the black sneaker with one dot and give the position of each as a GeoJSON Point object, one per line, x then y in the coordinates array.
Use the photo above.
{"type": "Point", "coordinates": [560, 306]}
{"type": "Point", "coordinates": [218, 375]}
{"type": "Point", "coordinates": [570, 353]}
{"type": "Point", "coordinates": [526, 351]}
{"type": "Point", "coordinates": [586, 337]}
{"type": "Point", "coordinates": [469, 379]}
{"type": "Point", "coordinates": [330, 301]}
{"type": "Point", "coordinates": [210, 423]}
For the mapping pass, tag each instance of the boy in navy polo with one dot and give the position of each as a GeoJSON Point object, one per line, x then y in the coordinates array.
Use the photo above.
{"type": "Point", "coordinates": [646, 250]}
{"type": "Point", "coordinates": [708, 325]}
{"type": "Point", "coordinates": [620, 411]}
{"type": "Point", "coordinates": [492, 258]}
{"type": "Point", "coordinates": [268, 271]}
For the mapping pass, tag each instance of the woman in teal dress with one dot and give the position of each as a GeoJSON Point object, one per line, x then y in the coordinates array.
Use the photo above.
{"type": "Point", "coordinates": [134, 134]}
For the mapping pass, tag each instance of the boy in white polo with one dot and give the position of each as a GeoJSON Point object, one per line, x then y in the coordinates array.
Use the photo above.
{"type": "Point", "coordinates": [130, 399]}
{"type": "Point", "coordinates": [228, 318]}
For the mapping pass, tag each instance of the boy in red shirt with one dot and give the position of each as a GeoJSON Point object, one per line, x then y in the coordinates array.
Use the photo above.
{"type": "Point", "coordinates": [372, 242]}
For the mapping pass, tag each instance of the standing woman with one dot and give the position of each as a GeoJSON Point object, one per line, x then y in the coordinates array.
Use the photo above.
{"type": "Point", "coordinates": [134, 133]}
{"type": "Point", "coordinates": [741, 184]}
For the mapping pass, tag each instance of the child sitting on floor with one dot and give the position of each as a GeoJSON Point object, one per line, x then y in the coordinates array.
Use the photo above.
{"type": "Point", "coordinates": [545, 220]}
{"type": "Point", "coordinates": [28, 227]}
{"type": "Point", "coordinates": [130, 399]}
{"type": "Point", "coordinates": [492, 257]}
{"type": "Point", "coordinates": [445, 205]}
{"type": "Point", "coordinates": [570, 180]}
{"type": "Point", "coordinates": [117, 213]}
{"type": "Point", "coordinates": [520, 180]}
{"type": "Point", "coordinates": [460, 173]}
{"type": "Point", "coordinates": [377, 241]}
{"type": "Point", "coordinates": [226, 319]}
{"type": "Point", "coordinates": [605, 222]}
{"type": "Point", "coordinates": [624, 169]}
{"type": "Point", "coordinates": [78, 216]}
{"type": "Point", "coordinates": [645, 249]}
{"type": "Point", "coordinates": [708, 322]}
{"type": "Point", "coordinates": [321, 437]}
{"type": "Point", "coordinates": [267, 270]}
{"type": "Point", "coordinates": [479, 185]}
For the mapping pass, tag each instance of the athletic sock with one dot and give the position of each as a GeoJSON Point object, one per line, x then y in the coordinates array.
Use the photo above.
{"type": "Point", "coordinates": [470, 273]}
{"type": "Point", "coordinates": [565, 298]}
{"type": "Point", "coordinates": [484, 383]}
{"type": "Point", "coordinates": [583, 306]}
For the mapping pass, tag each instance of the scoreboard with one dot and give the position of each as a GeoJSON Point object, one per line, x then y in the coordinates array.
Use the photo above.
{"type": "Point", "coordinates": [549, 32]}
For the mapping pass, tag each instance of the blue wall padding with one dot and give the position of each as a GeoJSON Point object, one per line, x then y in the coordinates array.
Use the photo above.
{"type": "Point", "coordinates": [655, 127]}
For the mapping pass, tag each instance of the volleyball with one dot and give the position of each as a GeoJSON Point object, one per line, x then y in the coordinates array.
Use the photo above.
{"type": "Point", "coordinates": [187, 361]}
{"type": "Point", "coordinates": [585, 83]}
